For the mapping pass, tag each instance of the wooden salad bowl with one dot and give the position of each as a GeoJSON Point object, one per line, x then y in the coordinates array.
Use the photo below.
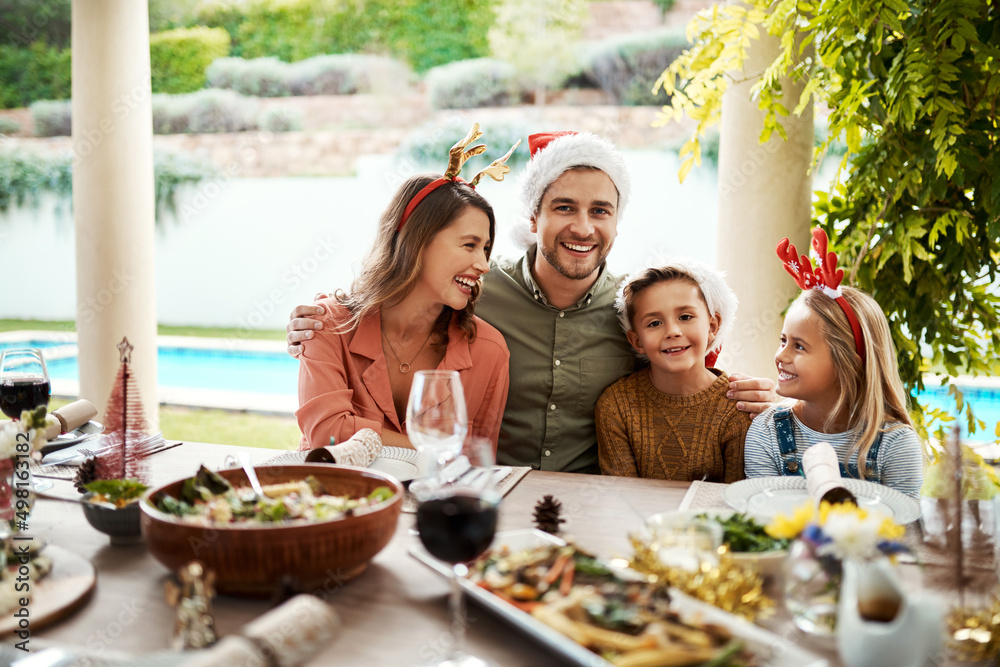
{"type": "Point", "coordinates": [256, 560]}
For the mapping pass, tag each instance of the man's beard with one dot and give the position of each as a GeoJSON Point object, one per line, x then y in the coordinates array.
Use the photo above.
{"type": "Point", "coordinates": [574, 269]}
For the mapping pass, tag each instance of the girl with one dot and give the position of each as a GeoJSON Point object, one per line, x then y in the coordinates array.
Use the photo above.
{"type": "Point", "coordinates": [837, 359]}
{"type": "Point", "coordinates": [411, 308]}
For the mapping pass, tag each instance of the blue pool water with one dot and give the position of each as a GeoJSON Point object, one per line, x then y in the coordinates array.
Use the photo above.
{"type": "Point", "coordinates": [277, 373]}
{"type": "Point", "coordinates": [257, 372]}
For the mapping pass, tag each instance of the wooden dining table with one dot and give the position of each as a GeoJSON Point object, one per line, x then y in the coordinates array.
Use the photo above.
{"type": "Point", "coordinates": [396, 613]}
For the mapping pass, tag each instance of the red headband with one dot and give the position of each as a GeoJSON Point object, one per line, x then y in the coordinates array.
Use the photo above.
{"type": "Point", "coordinates": [826, 277]}
{"type": "Point", "coordinates": [426, 190]}
{"type": "Point", "coordinates": [456, 158]}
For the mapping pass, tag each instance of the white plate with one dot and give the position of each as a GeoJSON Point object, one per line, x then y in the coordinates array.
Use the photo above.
{"type": "Point", "coordinates": [403, 464]}
{"type": "Point", "coordinates": [766, 497]}
{"type": "Point", "coordinates": [763, 643]}
{"type": "Point", "coordinates": [63, 440]}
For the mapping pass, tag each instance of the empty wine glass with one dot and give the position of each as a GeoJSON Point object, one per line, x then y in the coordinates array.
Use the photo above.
{"type": "Point", "coordinates": [436, 421]}
{"type": "Point", "coordinates": [457, 523]}
{"type": "Point", "coordinates": [24, 381]}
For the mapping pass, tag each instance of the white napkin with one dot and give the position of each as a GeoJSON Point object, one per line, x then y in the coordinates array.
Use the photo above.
{"type": "Point", "coordinates": [360, 450]}
{"type": "Point", "coordinates": [822, 470]}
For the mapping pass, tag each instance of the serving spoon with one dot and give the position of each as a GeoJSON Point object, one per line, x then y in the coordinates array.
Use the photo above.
{"type": "Point", "coordinates": [251, 473]}
{"type": "Point", "coordinates": [78, 501]}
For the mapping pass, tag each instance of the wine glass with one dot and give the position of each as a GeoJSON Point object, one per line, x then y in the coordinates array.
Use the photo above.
{"type": "Point", "coordinates": [457, 523]}
{"type": "Point", "coordinates": [436, 421]}
{"type": "Point", "coordinates": [24, 381]}
{"type": "Point", "coordinates": [24, 385]}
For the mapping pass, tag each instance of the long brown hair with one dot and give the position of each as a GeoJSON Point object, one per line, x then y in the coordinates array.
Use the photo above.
{"type": "Point", "coordinates": [871, 392]}
{"type": "Point", "coordinates": [392, 265]}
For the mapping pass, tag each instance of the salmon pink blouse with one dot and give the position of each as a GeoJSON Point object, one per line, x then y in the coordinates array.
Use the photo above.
{"type": "Point", "coordinates": [344, 383]}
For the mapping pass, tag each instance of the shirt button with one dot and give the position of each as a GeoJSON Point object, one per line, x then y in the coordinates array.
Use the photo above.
{"type": "Point", "coordinates": [552, 407]}
{"type": "Point", "coordinates": [548, 452]}
{"type": "Point", "coordinates": [561, 314]}
{"type": "Point", "coordinates": [558, 362]}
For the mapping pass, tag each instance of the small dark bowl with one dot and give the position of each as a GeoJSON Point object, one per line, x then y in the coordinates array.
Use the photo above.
{"type": "Point", "coordinates": [121, 525]}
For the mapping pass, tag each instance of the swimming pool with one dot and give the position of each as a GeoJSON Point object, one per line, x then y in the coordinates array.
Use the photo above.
{"type": "Point", "coordinates": [257, 372]}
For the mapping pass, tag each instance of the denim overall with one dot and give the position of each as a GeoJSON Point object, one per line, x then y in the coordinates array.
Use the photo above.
{"type": "Point", "coordinates": [789, 451]}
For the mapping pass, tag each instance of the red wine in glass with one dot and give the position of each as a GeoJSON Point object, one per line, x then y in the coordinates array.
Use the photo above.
{"type": "Point", "coordinates": [19, 395]}
{"type": "Point", "coordinates": [457, 528]}
{"type": "Point", "coordinates": [24, 381]}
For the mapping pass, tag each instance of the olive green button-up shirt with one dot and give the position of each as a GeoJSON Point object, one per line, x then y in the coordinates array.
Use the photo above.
{"type": "Point", "coordinates": [560, 362]}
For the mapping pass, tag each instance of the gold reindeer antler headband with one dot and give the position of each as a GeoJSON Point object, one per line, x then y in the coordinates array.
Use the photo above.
{"type": "Point", "coordinates": [457, 157]}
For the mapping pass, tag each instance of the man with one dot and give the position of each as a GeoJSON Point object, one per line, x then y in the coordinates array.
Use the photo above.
{"type": "Point", "coordinates": [554, 306]}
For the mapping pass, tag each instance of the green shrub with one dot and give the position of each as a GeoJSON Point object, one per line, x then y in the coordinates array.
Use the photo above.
{"type": "Point", "coordinates": [206, 111]}
{"type": "Point", "coordinates": [27, 21]}
{"type": "Point", "coordinates": [39, 72]}
{"type": "Point", "coordinates": [421, 33]}
{"type": "Point", "coordinates": [178, 58]}
{"type": "Point", "coordinates": [289, 30]}
{"type": "Point", "coordinates": [430, 34]}
{"type": "Point", "coordinates": [26, 176]}
{"type": "Point", "coordinates": [340, 74]}
{"type": "Point", "coordinates": [260, 77]}
{"type": "Point", "coordinates": [52, 118]}
{"type": "Point", "coordinates": [9, 126]}
{"type": "Point", "coordinates": [281, 119]}
{"type": "Point", "coordinates": [627, 67]}
{"type": "Point", "coordinates": [345, 74]}
{"type": "Point", "coordinates": [428, 146]}
{"type": "Point", "coordinates": [482, 82]}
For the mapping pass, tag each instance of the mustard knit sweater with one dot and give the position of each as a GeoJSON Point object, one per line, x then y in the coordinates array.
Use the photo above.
{"type": "Point", "coordinates": [642, 432]}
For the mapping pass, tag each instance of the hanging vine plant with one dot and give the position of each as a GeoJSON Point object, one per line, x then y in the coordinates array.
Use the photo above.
{"type": "Point", "coordinates": [25, 177]}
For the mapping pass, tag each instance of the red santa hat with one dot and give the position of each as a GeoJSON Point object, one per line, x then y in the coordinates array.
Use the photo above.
{"type": "Point", "coordinates": [553, 153]}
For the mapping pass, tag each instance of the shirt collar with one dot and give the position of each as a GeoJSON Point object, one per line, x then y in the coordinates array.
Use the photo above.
{"type": "Point", "coordinates": [536, 291]}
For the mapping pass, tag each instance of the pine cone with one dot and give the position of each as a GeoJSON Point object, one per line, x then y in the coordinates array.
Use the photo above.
{"type": "Point", "coordinates": [85, 474]}
{"type": "Point", "coordinates": [547, 511]}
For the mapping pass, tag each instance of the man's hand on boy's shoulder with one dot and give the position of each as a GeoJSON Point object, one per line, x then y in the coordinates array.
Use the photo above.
{"type": "Point", "coordinates": [753, 395]}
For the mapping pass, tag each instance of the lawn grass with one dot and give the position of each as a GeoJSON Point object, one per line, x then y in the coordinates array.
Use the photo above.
{"type": "Point", "coordinates": [197, 424]}
{"type": "Point", "coordinates": [222, 426]}
{"type": "Point", "coordinates": [162, 329]}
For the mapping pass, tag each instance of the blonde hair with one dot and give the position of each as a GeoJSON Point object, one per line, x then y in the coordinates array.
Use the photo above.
{"type": "Point", "coordinates": [392, 265]}
{"type": "Point", "coordinates": [871, 393]}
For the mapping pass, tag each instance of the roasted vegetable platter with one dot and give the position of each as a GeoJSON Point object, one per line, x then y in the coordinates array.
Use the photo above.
{"type": "Point", "coordinates": [597, 616]}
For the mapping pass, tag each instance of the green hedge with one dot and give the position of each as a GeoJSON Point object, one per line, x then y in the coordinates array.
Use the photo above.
{"type": "Point", "coordinates": [423, 34]}
{"type": "Point", "coordinates": [467, 84]}
{"type": "Point", "coordinates": [627, 67]}
{"type": "Point", "coordinates": [202, 112]}
{"type": "Point", "coordinates": [37, 72]}
{"type": "Point", "coordinates": [338, 74]}
{"type": "Point", "coordinates": [24, 177]}
{"type": "Point", "coordinates": [178, 58]}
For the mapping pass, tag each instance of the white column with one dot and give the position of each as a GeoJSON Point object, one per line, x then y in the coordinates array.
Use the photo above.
{"type": "Point", "coordinates": [113, 197]}
{"type": "Point", "coordinates": [765, 194]}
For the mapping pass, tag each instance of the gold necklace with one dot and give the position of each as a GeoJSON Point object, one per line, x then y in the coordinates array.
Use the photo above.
{"type": "Point", "coordinates": [404, 366]}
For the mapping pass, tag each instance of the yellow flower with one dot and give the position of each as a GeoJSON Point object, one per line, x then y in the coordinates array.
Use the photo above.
{"type": "Point", "coordinates": [789, 527]}
{"type": "Point", "coordinates": [841, 509]}
{"type": "Point", "coordinates": [890, 530]}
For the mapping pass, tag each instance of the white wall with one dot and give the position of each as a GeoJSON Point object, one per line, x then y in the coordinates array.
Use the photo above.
{"type": "Point", "coordinates": [243, 252]}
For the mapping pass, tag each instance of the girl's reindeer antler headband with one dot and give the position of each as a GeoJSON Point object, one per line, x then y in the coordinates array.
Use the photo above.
{"type": "Point", "coordinates": [457, 157]}
{"type": "Point", "coordinates": [826, 277]}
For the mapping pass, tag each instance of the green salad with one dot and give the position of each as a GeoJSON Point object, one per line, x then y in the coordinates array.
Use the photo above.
{"type": "Point", "coordinates": [744, 535]}
{"type": "Point", "coordinates": [209, 498]}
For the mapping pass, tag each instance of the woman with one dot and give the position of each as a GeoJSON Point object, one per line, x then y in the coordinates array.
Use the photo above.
{"type": "Point", "coordinates": [411, 308]}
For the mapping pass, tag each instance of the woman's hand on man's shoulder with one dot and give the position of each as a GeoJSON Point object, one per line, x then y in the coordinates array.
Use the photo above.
{"type": "Point", "coordinates": [302, 323]}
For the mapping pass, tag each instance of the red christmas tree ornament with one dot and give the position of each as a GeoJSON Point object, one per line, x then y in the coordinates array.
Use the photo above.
{"type": "Point", "coordinates": [124, 425]}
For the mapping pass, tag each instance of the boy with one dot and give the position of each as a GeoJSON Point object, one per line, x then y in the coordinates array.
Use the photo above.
{"type": "Point", "coordinates": [672, 420]}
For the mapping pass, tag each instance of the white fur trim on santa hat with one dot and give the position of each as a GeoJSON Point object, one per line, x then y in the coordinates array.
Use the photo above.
{"type": "Point", "coordinates": [562, 153]}
{"type": "Point", "coordinates": [719, 297]}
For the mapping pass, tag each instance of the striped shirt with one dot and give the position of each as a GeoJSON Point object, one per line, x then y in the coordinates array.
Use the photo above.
{"type": "Point", "coordinates": [899, 464]}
